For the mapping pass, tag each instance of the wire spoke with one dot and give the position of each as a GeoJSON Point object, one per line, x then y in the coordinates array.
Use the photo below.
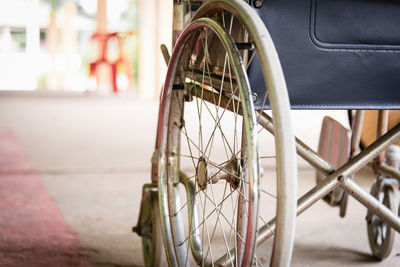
{"type": "Point", "coordinates": [220, 118]}
{"type": "Point", "coordinates": [217, 122]}
{"type": "Point", "coordinates": [234, 208]}
{"type": "Point", "coordinates": [219, 212]}
{"type": "Point", "coordinates": [268, 193]}
{"type": "Point", "coordinates": [267, 224]}
{"type": "Point", "coordinates": [186, 135]}
{"type": "Point", "coordinates": [217, 125]}
{"type": "Point", "coordinates": [219, 99]}
{"type": "Point", "coordinates": [208, 216]}
{"type": "Point", "coordinates": [208, 234]}
{"type": "Point", "coordinates": [215, 226]}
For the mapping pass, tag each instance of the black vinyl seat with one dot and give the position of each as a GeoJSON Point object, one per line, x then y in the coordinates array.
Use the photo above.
{"type": "Point", "coordinates": [335, 54]}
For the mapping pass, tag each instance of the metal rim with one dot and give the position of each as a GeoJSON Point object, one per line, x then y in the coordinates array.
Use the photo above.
{"type": "Point", "coordinates": [249, 125]}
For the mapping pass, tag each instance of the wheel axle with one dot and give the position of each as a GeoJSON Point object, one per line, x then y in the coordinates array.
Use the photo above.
{"type": "Point", "coordinates": [207, 172]}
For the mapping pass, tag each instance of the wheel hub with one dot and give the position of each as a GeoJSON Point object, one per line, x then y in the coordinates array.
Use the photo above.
{"type": "Point", "coordinates": [208, 173]}
{"type": "Point", "coordinates": [202, 173]}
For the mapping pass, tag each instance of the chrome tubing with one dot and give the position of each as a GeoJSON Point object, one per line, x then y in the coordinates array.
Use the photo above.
{"type": "Point", "coordinates": [371, 203]}
{"type": "Point", "coordinates": [303, 150]}
{"type": "Point", "coordinates": [337, 178]}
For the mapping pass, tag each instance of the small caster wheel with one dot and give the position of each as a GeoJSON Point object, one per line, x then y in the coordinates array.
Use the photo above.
{"type": "Point", "coordinates": [149, 227]}
{"type": "Point", "coordinates": [380, 235]}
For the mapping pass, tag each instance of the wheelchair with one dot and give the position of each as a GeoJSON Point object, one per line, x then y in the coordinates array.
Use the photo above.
{"type": "Point", "coordinates": [223, 188]}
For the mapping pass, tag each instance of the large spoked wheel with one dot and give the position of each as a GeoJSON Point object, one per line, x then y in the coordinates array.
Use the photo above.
{"type": "Point", "coordinates": [210, 180]}
{"type": "Point", "coordinates": [209, 174]}
{"type": "Point", "coordinates": [380, 235]}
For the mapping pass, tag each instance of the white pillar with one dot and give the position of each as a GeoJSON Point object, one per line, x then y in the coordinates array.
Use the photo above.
{"type": "Point", "coordinates": [69, 39]}
{"type": "Point", "coordinates": [155, 28]}
{"type": "Point", "coordinates": [164, 36]}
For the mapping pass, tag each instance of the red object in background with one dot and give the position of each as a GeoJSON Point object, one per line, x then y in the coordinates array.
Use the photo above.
{"type": "Point", "coordinates": [103, 39]}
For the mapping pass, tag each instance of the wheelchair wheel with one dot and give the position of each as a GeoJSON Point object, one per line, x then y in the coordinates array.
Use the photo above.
{"type": "Point", "coordinates": [380, 235]}
{"type": "Point", "coordinates": [153, 250]}
{"type": "Point", "coordinates": [209, 186]}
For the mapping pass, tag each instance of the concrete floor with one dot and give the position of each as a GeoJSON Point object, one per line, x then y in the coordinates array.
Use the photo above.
{"type": "Point", "coordinates": [92, 154]}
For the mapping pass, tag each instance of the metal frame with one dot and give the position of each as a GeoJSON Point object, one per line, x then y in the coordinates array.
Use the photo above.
{"type": "Point", "coordinates": [340, 178]}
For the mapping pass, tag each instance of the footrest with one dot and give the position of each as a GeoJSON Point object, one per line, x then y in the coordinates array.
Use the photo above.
{"type": "Point", "coordinates": [334, 147]}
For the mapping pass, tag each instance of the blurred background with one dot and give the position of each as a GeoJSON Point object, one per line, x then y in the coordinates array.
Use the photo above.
{"type": "Point", "coordinates": [79, 87]}
{"type": "Point", "coordinates": [83, 45]}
